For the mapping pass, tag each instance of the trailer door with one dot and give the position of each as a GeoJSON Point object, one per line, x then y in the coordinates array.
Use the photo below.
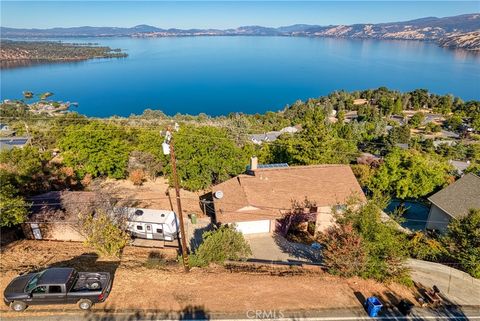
{"type": "Point", "coordinates": [149, 231]}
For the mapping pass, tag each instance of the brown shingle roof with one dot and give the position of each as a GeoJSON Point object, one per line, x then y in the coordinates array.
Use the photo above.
{"type": "Point", "coordinates": [457, 198]}
{"type": "Point", "coordinates": [264, 194]}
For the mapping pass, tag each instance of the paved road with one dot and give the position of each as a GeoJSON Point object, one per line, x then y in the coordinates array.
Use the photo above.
{"type": "Point", "coordinates": [457, 286]}
{"type": "Point", "coordinates": [199, 314]}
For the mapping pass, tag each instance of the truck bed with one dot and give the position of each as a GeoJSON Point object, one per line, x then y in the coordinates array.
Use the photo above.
{"type": "Point", "coordinates": [85, 281]}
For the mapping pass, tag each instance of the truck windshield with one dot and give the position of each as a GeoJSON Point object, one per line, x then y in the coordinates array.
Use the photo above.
{"type": "Point", "coordinates": [33, 282]}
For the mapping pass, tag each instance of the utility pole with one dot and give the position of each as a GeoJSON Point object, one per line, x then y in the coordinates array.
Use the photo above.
{"type": "Point", "coordinates": [173, 160]}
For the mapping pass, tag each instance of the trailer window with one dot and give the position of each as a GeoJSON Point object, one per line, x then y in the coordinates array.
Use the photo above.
{"type": "Point", "coordinates": [139, 227]}
{"type": "Point", "coordinates": [54, 289]}
{"type": "Point", "coordinates": [149, 227]}
{"type": "Point", "coordinates": [159, 230]}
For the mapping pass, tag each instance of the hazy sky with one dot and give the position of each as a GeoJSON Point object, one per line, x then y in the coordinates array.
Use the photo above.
{"type": "Point", "coordinates": [220, 14]}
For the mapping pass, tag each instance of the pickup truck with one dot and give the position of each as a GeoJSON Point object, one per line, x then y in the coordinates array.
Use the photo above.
{"type": "Point", "coordinates": [58, 286]}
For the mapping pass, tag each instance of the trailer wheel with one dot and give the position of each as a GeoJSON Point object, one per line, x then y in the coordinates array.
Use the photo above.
{"type": "Point", "coordinates": [85, 304]}
{"type": "Point", "coordinates": [18, 306]}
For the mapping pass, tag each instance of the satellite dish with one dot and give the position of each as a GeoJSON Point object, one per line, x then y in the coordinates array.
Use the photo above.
{"type": "Point", "coordinates": [218, 194]}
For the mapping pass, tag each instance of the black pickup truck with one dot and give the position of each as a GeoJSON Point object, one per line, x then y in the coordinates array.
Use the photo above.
{"type": "Point", "coordinates": [58, 286]}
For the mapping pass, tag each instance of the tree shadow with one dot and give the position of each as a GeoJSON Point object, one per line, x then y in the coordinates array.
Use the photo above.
{"type": "Point", "coordinates": [298, 250]}
{"type": "Point", "coordinates": [190, 312]}
{"type": "Point", "coordinates": [197, 237]}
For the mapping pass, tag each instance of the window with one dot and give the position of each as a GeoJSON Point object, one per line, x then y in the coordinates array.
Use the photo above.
{"type": "Point", "coordinates": [139, 227]}
{"type": "Point", "coordinates": [54, 289]}
{"type": "Point", "coordinates": [149, 227]}
{"type": "Point", "coordinates": [40, 289]}
{"type": "Point", "coordinates": [159, 230]}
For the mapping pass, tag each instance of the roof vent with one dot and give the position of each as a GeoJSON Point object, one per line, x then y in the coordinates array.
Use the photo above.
{"type": "Point", "coordinates": [138, 212]}
{"type": "Point", "coordinates": [162, 215]}
{"type": "Point", "coordinates": [218, 194]}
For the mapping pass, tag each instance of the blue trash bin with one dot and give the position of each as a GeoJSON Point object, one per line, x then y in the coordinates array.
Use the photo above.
{"type": "Point", "coordinates": [373, 306]}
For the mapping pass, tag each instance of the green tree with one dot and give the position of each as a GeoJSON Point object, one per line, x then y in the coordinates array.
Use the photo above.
{"type": "Point", "coordinates": [219, 245]}
{"type": "Point", "coordinates": [98, 149]}
{"type": "Point", "coordinates": [410, 174]}
{"type": "Point", "coordinates": [318, 143]}
{"type": "Point", "coordinates": [416, 119]}
{"type": "Point", "coordinates": [13, 208]}
{"type": "Point", "coordinates": [463, 242]}
{"type": "Point", "coordinates": [205, 156]}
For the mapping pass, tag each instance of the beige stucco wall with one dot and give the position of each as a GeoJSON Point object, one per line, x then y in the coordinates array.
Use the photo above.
{"type": "Point", "coordinates": [437, 219]}
{"type": "Point", "coordinates": [325, 218]}
{"type": "Point", "coordinates": [54, 231]}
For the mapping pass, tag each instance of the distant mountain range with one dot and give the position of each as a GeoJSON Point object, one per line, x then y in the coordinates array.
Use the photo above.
{"type": "Point", "coordinates": [454, 32]}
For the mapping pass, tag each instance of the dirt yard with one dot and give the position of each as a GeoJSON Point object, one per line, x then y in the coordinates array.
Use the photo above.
{"type": "Point", "coordinates": [140, 287]}
{"type": "Point", "coordinates": [154, 194]}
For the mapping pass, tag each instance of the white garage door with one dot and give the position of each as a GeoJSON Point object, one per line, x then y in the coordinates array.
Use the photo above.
{"type": "Point", "coordinates": [253, 227]}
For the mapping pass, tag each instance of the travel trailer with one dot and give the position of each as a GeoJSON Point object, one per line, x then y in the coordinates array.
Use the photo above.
{"type": "Point", "coordinates": [152, 224]}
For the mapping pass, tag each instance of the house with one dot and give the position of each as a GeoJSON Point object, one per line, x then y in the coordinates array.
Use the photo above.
{"type": "Point", "coordinates": [258, 139]}
{"type": "Point", "coordinates": [454, 201]}
{"type": "Point", "coordinates": [7, 143]}
{"type": "Point", "coordinates": [460, 166]}
{"type": "Point", "coordinates": [254, 201]}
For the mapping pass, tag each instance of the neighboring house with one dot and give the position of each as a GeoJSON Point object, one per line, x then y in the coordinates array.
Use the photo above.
{"type": "Point", "coordinates": [255, 200]}
{"type": "Point", "coordinates": [271, 136]}
{"type": "Point", "coordinates": [438, 143]}
{"type": "Point", "coordinates": [460, 166]}
{"type": "Point", "coordinates": [448, 134]}
{"type": "Point", "coordinates": [454, 201]}
{"type": "Point", "coordinates": [7, 143]}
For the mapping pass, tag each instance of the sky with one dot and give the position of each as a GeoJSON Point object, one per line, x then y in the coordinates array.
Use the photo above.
{"type": "Point", "coordinates": [220, 14]}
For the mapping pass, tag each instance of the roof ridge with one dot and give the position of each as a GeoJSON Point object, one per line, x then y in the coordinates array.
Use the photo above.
{"type": "Point", "coordinates": [301, 167]}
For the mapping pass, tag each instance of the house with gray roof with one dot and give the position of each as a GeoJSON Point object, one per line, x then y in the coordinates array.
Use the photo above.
{"type": "Point", "coordinates": [453, 202]}
{"type": "Point", "coordinates": [7, 143]}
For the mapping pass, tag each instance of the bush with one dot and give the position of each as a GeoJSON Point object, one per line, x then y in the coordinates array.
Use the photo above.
{"type": "Point", "coordinates": [423, 247]}
{"type": "Point", "coordinates": [137, 177]}
{"type": "Point", "coordinates": [104, 234]}
{"type": "Point", "coordinates": [384, 246]}
{"type": "Point", "coordinates": [219, 245]}
{"type": "Point", "coordinates": [343, 251]}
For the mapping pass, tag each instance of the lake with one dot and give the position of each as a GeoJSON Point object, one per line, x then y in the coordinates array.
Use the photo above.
{"type": "Point", "coordinates": [219, 75]}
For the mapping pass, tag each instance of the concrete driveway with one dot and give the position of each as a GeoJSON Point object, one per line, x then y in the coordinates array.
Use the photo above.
{"type": "Point", "coordinates": [459, 287]}
{"type": "Point", "coordinates": [276, 248]}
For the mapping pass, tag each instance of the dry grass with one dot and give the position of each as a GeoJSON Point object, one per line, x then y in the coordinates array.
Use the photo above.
{"type": "Point", "coordinates": [216, 290]}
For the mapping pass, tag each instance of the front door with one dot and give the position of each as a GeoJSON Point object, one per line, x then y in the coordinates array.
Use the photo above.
{"type": "Point", "coordinates": [149, 231]}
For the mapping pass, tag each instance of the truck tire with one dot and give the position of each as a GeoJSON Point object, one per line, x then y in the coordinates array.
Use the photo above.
{"type": "Point", "coordinates": [18, 306]}
{"type": "Point", "coordinates": [85, 304]}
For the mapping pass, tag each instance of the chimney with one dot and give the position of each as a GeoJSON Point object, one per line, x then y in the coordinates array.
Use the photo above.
{"type": "Point", "coordinates": [253, 163]}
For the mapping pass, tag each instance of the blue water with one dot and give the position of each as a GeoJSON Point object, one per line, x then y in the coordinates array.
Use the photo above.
{"type": "Point", "coordinates": [219, 75]}
{"type": "Point", "coordinates": [415, 215]}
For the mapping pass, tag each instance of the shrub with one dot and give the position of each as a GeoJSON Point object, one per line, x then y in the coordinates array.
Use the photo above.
{"type": "Point", "coordinates": [104, 234]}
{"type": "Point", "coordinates": [155, 260]}
{"type": "Point", "coordinates": [219, 245]}
{"type": "Point", "coordinates": [423, 247]}
{"type": "Point", "coordinates": [137, 177]}
{"type": "Point", "coordinates": [343, 251]}
{"type": "Point", "coordinates": [384, 245]}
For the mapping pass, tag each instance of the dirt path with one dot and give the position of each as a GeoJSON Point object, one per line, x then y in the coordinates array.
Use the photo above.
{"type": "Point", "coordinates": [215, 290]}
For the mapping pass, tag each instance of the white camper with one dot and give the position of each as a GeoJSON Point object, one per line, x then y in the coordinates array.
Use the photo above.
{"type": "Point", "coordinates": [152, 224]}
